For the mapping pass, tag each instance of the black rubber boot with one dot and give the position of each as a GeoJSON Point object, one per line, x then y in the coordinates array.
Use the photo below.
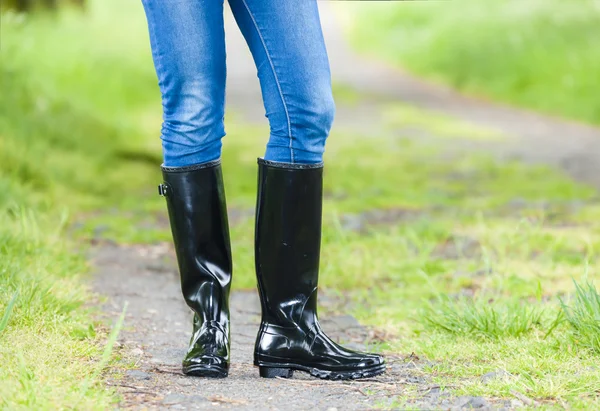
{"type": "Point", "coordinates": [287, 247]}
{"type": "Point", "coordinates": [198, 216]}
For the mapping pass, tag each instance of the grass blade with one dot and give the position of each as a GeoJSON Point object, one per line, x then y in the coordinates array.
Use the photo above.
{"type": "Point", "coordinates": [7, 312]}
{"type": "Point", "coordinates": [106, 354]}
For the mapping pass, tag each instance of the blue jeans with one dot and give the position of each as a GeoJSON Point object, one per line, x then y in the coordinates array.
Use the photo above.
{"type": "Point", "coordinates": [286, 42]}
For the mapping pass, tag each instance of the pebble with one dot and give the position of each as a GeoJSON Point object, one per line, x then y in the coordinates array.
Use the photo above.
{"type": "Point", "coordinates": [475, 402]}
{"type": "Point", "coordinates": [138, 375]}
{"type": "Point", "coordinates": [137, 352]}
{"type": "Point", "coordinates": [174, 398]}
{"type": "Point", "coordinates": [486, 378]}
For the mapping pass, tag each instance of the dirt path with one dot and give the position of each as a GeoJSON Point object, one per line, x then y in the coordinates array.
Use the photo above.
{"type": "Point", "coordinates": [157, 325]}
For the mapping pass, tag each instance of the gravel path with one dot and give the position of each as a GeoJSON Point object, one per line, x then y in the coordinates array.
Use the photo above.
{"type": "Point", "coordinates": [157, 325]}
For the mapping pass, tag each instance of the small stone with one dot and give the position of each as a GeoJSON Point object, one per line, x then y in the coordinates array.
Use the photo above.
{"type": "Point", "coordinates": [158, 361]}
{"type": "Point", "coordinates": [138, 375]}
{"type": "Point", "coordinates": [486, 378]}
{"type": "Point", "coordinates": [411, 365]}
{"type": "Point", "coordinates": [137, 352]}
{"type": "Point", "coordinates": [174, 399]}
{"type": "Point", "coordinates": [411, 379]}
{"type": "Point", "coordinates": [434, 392]}
{"type": "Point", "coordinates": [475, 402]}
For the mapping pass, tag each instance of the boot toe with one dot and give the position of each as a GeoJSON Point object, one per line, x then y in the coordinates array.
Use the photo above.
{"type": "Point", "coordinates": [372, 360]}
{"type": "Point", "coordinates": [207, 360]}
{"type": "Point", "coordinates": [206, 366]}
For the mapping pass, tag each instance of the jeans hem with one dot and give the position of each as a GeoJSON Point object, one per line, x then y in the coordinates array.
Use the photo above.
{"type": "Point", "coordinates": [291, 166]}
{"type": "Point", "coordinates": [193, 167]}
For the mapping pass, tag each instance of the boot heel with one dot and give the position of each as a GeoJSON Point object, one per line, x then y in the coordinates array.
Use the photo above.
{"type": "Point", "coordinates": [271, 372]}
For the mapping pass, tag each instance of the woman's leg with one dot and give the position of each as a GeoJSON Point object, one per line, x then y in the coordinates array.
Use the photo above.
{"type": "Point", "coordinates": [188, 47]}
{"type": "Point", "coordinates": [286, 41]}
{"type": "Point", "coordinates": [287, 44]}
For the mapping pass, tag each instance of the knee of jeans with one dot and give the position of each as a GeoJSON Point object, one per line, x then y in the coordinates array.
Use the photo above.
{"type": "Point", "coordinates": [326, 112]}
{"type": "Point", "coordinates": [192, 103]}
{"type": "Point", "coordinates": [191, 137]}
{"type": "Point", "coordinates": [313, 124]}
{"type": "Point", "coordinates": [192, 119]}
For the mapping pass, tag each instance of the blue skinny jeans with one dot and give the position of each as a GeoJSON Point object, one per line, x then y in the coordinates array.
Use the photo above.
{"type": "Point", "coordinates": [286, 41]}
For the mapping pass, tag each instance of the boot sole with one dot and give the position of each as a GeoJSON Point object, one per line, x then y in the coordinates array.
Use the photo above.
{"type": "Point", "coordinates": [273, 370]}
{"type": "Point", "coordinates": [207, 372]}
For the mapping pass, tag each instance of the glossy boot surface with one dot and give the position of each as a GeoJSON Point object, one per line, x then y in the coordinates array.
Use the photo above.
{"type": "Point", "coordinates": [198, 216]}
{"type": "Point", "coordinates": [287, 248]}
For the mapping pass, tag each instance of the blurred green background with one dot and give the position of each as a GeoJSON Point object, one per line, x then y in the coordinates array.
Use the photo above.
{"type": "Point", "coordinates": [540, 54]}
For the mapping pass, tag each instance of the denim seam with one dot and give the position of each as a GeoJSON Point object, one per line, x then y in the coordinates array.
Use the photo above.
{"type": "Point", "coordinates": [287, 114]}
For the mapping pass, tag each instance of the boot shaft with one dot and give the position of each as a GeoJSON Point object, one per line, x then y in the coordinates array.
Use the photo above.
{"type": "Point", "coordinates": [198, 216]}
{"type": "Point", "coordinates": [288, 240]}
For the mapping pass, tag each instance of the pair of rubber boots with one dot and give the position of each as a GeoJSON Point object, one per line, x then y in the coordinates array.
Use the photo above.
{"type": "Point", "coordinates": [287, 249]}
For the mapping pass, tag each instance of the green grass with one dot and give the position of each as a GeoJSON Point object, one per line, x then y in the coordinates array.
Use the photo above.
{"type": "Point", "coordinates": [484, 318]}
{"type": "Point", "coordinates": [451, 254]}
{"type": "Point", "coordinates": [584, 316]}
{"type": "Point", "coordinates": [69, 134]}
{"type": "Point", "coordinates": [539, 54]}
{"type": "Point", "coordinates": [48, 344]}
